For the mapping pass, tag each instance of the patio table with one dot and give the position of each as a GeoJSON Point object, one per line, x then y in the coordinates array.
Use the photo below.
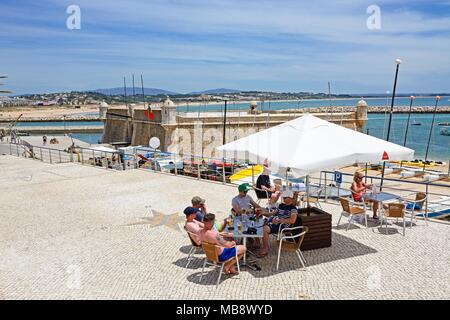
{"type": "Point", "coordinates": [381, 197]}
{"type": "Point", "coordinates": [258, 225]}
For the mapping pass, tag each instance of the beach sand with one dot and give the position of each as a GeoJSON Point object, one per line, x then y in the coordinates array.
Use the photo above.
{"type": "Point", "coordinates": [40, 113]}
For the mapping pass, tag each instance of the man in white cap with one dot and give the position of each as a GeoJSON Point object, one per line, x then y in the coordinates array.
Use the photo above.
{"type": "Point", "coordinates": [285, 216]}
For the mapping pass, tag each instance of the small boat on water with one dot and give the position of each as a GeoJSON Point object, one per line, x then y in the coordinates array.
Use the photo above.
{"type": "Point", "coordinates": [445, 131]}
{"type": "Point", "coordinates": [444, 124]}
{"type": "Point", "coordinates": [416, 123]}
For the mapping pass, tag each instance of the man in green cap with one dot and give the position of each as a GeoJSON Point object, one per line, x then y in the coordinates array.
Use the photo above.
{"type": "Point", "coordinates": [243, 201]}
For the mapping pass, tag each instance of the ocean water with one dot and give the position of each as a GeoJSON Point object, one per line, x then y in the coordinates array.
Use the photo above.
{"type": "Point", "coordinates": [417, 137]}
{"type": "Point", "coordinates": [314, 103]}
{"type": "Point", "coordinates": [58, 123]}
{"type": "Point", "coordinates": [92, 138]}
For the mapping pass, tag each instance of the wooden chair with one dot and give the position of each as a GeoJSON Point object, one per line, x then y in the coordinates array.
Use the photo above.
{"type": "Point", "coordinates": [395, 210]}
{"type": "Point", "coordinates": [212, 255]}
{"type": "Point", "coordinates": [278, 184]}
{"type": "Point", "coordinates": [194, 246]}
{"type": "Point", "coordinates": [351, 209]}
{"type": "Point", "coordinates": [288, 241]}
{"type": "Point", "coordinates": [418, 202]}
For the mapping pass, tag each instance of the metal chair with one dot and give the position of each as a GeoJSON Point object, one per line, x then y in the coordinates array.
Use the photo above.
{"type": "Point", "coordinates": [258, 199]}
{"type": "Point", "coordinates": [419, 202]}
{"type": "Point", "coordinates": [211, 254]}
{"type": "Point", "coordinates": [366, 204]}
{"type": "Point", "coordinates": [194, 246]}
{"type": "Point", "coordinates": [312, 199]}
{"type": "Point", "coordinates": [292, 242]}
{"type": "Point", "coordinates": [395, 210]}
{"type": "Point", "coordinates": [351, 208]}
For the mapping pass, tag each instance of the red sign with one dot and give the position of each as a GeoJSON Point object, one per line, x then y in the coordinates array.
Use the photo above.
{"type": "Point", "coordinates": [385, 156]}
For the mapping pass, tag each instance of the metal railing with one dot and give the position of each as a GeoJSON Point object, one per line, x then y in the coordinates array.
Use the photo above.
{"type": "Point", "coordinates": [198, 167]}
{"type": "Point", "coordinates": [84, 156]}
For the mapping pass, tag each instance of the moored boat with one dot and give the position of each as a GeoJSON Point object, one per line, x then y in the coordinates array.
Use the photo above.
{"type": "Point", "coordinates": [445, 131]}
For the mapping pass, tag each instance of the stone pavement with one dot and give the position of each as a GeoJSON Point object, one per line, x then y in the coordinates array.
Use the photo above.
{"type": "Point", "coordinates": [74, 232]}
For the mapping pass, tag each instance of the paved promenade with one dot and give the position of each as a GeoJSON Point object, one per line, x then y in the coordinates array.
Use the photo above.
{"type": "Point", "coordinates": [73, 232]}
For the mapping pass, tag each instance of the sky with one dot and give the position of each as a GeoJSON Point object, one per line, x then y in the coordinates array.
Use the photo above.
{"type": "Point", "coordinates": [189, 45]}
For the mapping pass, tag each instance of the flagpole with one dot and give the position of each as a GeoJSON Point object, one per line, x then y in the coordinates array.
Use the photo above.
{"type": "Point", "coordinates": [431, 128]}
{"type": "Point", "coordinates": [134, 94]}
{"type": "Point", "coordinates": [398, 62]}
{"type": "Point", "coordinates": [409, 116]}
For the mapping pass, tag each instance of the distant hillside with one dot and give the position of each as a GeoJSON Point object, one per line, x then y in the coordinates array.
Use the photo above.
{"type": "Point", "coordinates": [147, 91]}
{"type": "Point", "coordinates": [216, 91]}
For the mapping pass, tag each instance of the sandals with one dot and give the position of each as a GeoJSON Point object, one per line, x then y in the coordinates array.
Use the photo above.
{"type": "Point", "coordinates": [229, 272]}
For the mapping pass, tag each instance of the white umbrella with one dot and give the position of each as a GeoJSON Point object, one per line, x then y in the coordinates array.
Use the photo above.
{"type": "Point", "coordinates": [309, 144]}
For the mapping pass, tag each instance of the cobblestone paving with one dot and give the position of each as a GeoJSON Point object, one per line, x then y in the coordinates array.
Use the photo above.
{"type": "Point", "coordinates": [71, 232]}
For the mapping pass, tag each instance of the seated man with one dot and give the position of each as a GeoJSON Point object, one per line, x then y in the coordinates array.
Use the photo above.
{"type": "Point", "coordinates": [263, 184]}
{"type": "Point", "coordinates": [285, 215]}
{"type": "Point", "coordinates": [227, 249]}
{"type": "Point", "coordinates": [193, 225]}
{"type": "Point", "coordinates": [243, 202]}
{"type": "Point", "coordinates": [199, 204]}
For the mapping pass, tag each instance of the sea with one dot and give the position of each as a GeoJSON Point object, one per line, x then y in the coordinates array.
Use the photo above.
{"type": "Point", "coordinates": [315, 103]}
{"type": "Point", "coordinates": [417, 137]}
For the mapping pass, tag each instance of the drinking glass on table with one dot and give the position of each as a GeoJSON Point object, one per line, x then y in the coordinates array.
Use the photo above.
{"type": "Point", "coordinates": [239, 227]}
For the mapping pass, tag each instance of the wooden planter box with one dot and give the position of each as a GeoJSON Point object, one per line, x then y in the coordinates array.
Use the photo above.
{"type": "Point", "coordinates": [319, 224]}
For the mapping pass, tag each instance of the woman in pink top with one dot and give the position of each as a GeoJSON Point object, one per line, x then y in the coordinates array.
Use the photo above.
{"type": "Point", "coordinates": [359, 188]}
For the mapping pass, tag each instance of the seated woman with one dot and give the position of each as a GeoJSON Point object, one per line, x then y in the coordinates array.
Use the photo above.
{"type": "Point", "coordinates": [359, 188]}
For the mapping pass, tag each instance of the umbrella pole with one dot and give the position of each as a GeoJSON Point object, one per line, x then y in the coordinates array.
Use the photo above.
{"type": "Point", "coordinates": [253, 174]}
{"type": "Point", "coordinates": [287, 172]}
{"type": "Point", "coordinates": [307, 191]}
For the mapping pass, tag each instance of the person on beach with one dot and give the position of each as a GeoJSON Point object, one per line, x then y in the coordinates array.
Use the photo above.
{"type": "Point", "coordinates": [358, 190]}
{"type": "Point", "coordinates": [285, 215]}
{"type": "Point", "coordinates": [243, 202]}
{"type": "Point", "coordinates": [44, 140]}
{"type": "Point", "coordinates": [226, 249]}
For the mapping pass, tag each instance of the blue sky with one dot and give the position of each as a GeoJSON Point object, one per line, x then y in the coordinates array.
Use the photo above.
{"type": "Point", "coordinates": [188, 45]}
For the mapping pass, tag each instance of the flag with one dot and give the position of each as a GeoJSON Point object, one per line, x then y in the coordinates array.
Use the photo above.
{"type": "Point", "coordinates": [149, 113]}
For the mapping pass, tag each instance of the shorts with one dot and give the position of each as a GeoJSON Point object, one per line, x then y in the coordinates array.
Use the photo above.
{"type": "Point", "coordinates": [227, 253]}
{"type": "Point", "coordinates": [274, 228]}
